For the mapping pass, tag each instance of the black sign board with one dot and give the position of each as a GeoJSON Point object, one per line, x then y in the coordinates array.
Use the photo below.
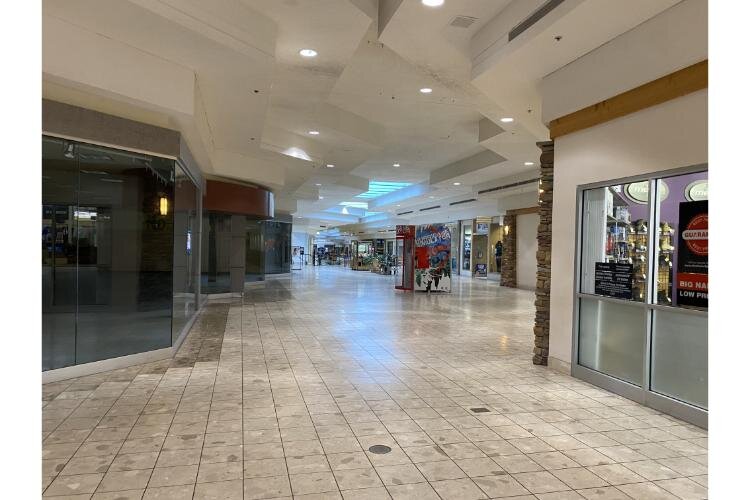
{"type": "Point", "coordinates": [613, 280]}
{"type": "Point", "coordinates": [692, 254]}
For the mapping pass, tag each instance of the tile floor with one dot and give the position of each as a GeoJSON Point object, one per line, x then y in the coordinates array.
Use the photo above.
{"type": "Point", "coordinates": [281, 395]}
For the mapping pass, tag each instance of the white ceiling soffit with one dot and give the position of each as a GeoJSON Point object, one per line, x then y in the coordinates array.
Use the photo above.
{"type": "Point", "coordinates": [510, 73]}
{"type": "Point", "coordinates": [468, 165]}
{"type": "Point", "coordinates": [672, 40]}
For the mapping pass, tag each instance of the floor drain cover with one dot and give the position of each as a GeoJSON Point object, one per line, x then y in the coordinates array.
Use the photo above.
{"type": "Point", "coordinates": [480, 410]}
{"type": "Point", "coordinates": [379, 449]}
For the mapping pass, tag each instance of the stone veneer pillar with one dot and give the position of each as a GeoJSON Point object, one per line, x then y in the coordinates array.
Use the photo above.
{"type": "Point", "coordinates": [544, 253]}
{"type": "Point", "coordinates": [508, 259]}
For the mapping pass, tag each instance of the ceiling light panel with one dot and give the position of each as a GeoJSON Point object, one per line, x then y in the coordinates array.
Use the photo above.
{"type": "Point", "coordinates": [379, 188]}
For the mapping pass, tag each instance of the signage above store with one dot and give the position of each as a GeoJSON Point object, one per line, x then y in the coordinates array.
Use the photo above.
{"type": "Point", "coordinates": [407, 231]}
{"type": "Point", "coordinates": [637, 192]}
{"type": "Point", "coordinates": [697, 190]}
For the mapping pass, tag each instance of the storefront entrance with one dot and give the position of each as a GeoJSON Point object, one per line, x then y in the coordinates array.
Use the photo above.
{"type": "Point", "coordinates": [641, 314]}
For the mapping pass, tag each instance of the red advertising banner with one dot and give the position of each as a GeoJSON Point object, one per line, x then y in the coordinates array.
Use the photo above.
{"type": "Point", "coordinates": [406, 231]}
{"type": "Point", "coordinates": [692, 257]}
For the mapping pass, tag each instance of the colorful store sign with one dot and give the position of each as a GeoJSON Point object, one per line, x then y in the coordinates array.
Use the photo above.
{"type": "Point", "coordinates": [692, 256]}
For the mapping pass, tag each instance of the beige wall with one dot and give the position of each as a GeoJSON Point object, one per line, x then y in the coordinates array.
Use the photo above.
{"type": "Point", "coordinates": [526, 246]}
{"type": "Point", "coordinates": [671, 135]}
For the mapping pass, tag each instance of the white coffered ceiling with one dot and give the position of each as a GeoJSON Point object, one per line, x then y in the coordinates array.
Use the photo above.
{"type": "Point", "coordinates": [228, 75]}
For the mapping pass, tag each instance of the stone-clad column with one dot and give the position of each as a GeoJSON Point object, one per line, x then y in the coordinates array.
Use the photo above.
{"type": "Point", "coordinates": [508, 259]}
{"type": "Point", "coordinates": [544, 253]}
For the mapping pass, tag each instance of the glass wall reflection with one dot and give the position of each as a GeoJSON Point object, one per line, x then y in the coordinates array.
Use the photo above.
{"type": "Point", "coordinates": [216, 252]}
{"type": "Point", "coordinates": [278, 246]}
{"type": "Point", "coordinates": [254, 251]}
{"type": "Point", "coordinates": [186, 253]}
{"type": "Point", "coordinates": [107, 229]}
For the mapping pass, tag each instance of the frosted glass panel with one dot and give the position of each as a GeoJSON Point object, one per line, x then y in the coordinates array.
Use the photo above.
{"type": "Point", "coordinates": [679, 357]}
{"type": "Point", "coordinates": [611, 338]}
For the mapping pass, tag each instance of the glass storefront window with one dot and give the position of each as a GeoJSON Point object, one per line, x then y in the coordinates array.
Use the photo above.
{"type": "Point", "coordinates": [278, 245]}
{"type": "Point", "coordinates": [215, 252]}
{"type": "Point", "coordinates": [643, 291]}
{"type": "Point", "coordinates": [186, 252]}
{"type": "Point", "coordinates": [682, 277]}
{"type": "Point", "coordinates": [611, 338]}
{"type": "Point", "coordinates": [614, 241]}
{"type": "Point", "coordinates": [107, 228]}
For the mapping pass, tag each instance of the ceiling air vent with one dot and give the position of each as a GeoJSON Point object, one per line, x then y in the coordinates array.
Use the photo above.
{"type": "Point", "coordinates": [429, 208]}
{"type": "Point", "coordinates": [535, 16]}
{"type": "Point", "coordinates": [463, 201]}
{"type": "Point", "coordinates": [507, 186]}
{"type": "Point", "coordinates": [462, 21]}
{"type": "Point", "coordinates": [404, 213]}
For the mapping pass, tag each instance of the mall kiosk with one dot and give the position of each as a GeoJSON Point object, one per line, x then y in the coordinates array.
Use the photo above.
{"type": "Point", "coordinates": [404, 270]}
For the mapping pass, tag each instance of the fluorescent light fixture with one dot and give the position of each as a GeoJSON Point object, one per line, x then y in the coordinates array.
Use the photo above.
{"type": "Point", "coordinates": [297, 153]}
{"type": "Point", "coordinates": [354, 204]}
{"type": "Point", "coordinates": [528, 163]}
{"type": "Point", "coordinates": [426, 90]}
{"type": "Point", "coordinates": [330, 165]}
{"type": "Point", "coordinates": [506, 120]}
{"type": "Point", "coordinates": [433, 3]}
{"type": "Point", "coordinates": [432, 197]}
{"type": "Point", "coordinates": [308, 53]}
{"type": "Point", "coordinates": [456, 183]}
{"type": "Point", "coordinates": [313, 132]}
{"type": "Point", "coordinates": [396, 165]}
{"type": "Point", "coordinates": [379, 188]}
{"type": "Point", "coordinates": [318, 184]}
{"type": "Point", "coordinates": [320, 197]}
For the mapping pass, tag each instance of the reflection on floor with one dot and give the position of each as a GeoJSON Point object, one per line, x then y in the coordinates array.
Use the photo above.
{"type": "Point", "coordinates": [284, 393]}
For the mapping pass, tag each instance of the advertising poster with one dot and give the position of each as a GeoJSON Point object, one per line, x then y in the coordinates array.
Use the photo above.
{"type": "Point", "coordinates": [480, 270]}
{"type": "Point", "coordinates": [432, 258]}
{"type": "Point", "coordinates": [692, 254]}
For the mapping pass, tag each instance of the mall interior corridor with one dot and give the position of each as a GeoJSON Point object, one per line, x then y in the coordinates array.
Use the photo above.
{"type": "Point", "coordinates": [320, 386]}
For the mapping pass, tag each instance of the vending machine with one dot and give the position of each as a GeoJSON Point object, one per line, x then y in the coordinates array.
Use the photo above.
{"type": "Point", "coordinates": [405, 257]}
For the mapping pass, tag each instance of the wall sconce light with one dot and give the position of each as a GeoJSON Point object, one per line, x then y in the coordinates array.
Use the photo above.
{"type": "Point", "coordinates": [506, 230]}
{"type": "Point", "coordinates": [163, 205]}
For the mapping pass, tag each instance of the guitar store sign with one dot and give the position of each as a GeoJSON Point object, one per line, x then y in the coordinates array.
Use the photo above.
{"type": "Point", "coordinates": [692, 257]}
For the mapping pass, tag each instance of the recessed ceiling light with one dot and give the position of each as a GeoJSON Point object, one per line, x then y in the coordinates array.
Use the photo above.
{"type": "Point", "coordinates": [313, 132]}
{"type": "Point", "coordinates": [308, 53]}
{"type": "Point", "coordinates": [398, 205]}
{"type": "Point", "coordinates": [426, 90]}
{"type": "Point", "coordinates": [318, 184]}
{"type": "Point", "coordinates": [320, 197]}
{"type": "Point", "coordinates": [433, 3]}
{"type": "Point", "coordinates": [456, 183]}
{"type": "Point", "coordinates": [396, 165]}
{"type": "Point", "coordinates": [528, 163]}
{"type": "Point", "coordinates": [506, 120]}
{"type": "Point", "coordinates": [330, 165]}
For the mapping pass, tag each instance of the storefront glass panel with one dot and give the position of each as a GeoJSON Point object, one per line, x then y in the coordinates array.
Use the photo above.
{"type": "Point", "coordinates": [215, 252]}
{"type": "Point", "coordinates": [611, 338]}
{"type": "Point", "coordinates": [186, 253]}
{"type": "Point", "coordinates": [679, 356]}
{"type": "Point", "coordinates": [643, 290]}
{"type": "Point", "coordinates": [278, 245]}
{"type": "Point", "coordinates": [107, 275]}
{"type": "Point", "coordinates": [59, 252]}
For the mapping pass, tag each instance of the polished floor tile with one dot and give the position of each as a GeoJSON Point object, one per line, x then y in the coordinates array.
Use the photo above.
{"type": "Point", "coordinates": [297, 388]}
